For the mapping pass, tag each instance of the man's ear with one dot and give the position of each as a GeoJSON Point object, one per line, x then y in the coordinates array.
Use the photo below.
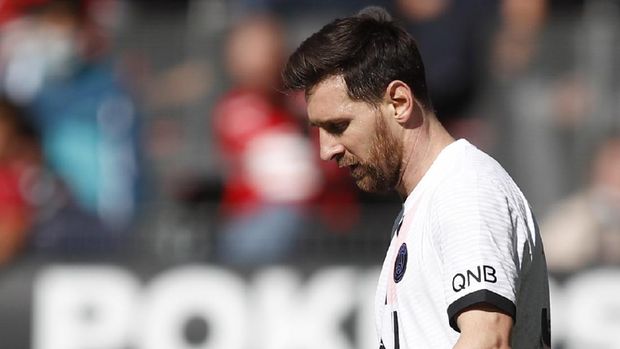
{"type": "Point", "coordinates": [400, 101]}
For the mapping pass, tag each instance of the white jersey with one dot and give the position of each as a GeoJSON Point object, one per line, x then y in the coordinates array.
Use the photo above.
{"type": "Point", "coordinates": [466, 235]}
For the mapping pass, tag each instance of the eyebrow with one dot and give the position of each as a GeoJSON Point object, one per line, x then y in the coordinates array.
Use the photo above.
{"type": "Point", "coordinates": [323, 124]}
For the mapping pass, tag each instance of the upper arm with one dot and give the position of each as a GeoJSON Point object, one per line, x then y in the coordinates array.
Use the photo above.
{"type": "Point", "coordinates": [484, 326]}
{"type": "Point", "coordinates": [476, 242]}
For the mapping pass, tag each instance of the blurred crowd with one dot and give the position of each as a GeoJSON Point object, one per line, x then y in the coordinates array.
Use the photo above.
{"type": "Point", "coordinates": [162, 124]}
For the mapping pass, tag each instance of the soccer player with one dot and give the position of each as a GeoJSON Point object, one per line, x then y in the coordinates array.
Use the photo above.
{"type": "Point", "coordinates": [465, 267]}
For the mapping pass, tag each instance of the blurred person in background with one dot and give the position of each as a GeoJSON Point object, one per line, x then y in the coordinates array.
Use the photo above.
{"type": "Point", "coordinates": [453, 39]}
{"type": "Point", "coordinates": [269, 168]}
{"type": "Point", "coordinates": [583, 230]}
{"type": "Point", "coordinates": [515, 42]}
{"type": "Point", "coordinates": [54, 60]}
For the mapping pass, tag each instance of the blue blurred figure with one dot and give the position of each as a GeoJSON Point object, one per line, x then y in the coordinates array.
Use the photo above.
{"type": "Point", "coordinates": [54, 62]}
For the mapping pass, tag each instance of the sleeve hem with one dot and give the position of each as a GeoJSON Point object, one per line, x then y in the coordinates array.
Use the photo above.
{"type": "Point", "coordinates": [504, 304]}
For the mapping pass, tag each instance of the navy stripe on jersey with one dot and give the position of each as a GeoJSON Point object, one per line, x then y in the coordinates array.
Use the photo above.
{"type": "Point", "coordinates": [398, 222]}
{"type": "Point", "coordinates": [502, 303]}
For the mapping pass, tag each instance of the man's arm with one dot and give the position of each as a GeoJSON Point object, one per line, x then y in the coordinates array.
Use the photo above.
{"type": "Point", "coordinates": [483, 327]}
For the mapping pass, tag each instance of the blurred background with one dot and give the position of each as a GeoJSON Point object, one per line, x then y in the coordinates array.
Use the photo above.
{"type": "Point", "coordinates": [159, 190]}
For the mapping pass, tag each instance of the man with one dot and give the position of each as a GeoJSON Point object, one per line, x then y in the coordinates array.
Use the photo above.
{"type": "Point", "coordinates": [270, 172]}
{"type": "Point", "coordinates": [465, 268]}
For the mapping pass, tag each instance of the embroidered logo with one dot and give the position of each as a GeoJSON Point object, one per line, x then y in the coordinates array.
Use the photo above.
{"type": "Point", "coordinates": [400, 265]}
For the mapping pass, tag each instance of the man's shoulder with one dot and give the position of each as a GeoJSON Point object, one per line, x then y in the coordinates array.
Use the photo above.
{"type": "Point", "coordinates": [474, 178]}
{"type": "Point", "coordinates": [479, 169]}
{"type": "Point", "coordinates": [469, 165]}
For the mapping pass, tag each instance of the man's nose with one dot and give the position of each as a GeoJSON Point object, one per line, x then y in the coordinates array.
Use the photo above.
{"type": "Point", "coordinates": [330, 147]}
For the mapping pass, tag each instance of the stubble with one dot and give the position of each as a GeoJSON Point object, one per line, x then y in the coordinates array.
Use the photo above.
{"type": "Point", "coordinates": [381, 172]}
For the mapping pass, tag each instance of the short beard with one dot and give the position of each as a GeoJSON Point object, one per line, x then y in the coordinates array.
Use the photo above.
{"type": "Point", "coordinates": [381, 173]}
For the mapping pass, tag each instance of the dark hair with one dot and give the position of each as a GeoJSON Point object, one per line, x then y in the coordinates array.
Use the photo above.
{"type": "Point", "coordinates": [368, 50]}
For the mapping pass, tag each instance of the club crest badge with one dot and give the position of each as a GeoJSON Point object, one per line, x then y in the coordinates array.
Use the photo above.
{"type": "Point", "coordinates": [400, 265]}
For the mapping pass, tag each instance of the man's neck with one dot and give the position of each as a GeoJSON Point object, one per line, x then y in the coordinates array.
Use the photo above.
{"type": "Point", "coordinates": [422, 146]}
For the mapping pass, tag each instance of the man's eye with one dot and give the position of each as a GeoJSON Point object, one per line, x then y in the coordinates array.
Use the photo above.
{"type": "Point", "coordinates": [338, 128]}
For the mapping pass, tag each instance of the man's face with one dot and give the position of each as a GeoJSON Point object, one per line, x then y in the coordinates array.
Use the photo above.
{"type": "Point", "coordinates": [356, 135]}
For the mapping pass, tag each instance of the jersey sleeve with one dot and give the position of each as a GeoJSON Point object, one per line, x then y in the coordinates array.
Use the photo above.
{"type": "Point", "coordinates": [475, 240]}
